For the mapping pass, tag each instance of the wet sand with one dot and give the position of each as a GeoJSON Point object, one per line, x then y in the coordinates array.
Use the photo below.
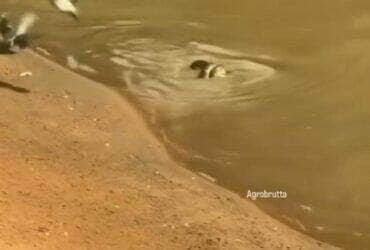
{"type": "Point", "coordinates": [79, 169]}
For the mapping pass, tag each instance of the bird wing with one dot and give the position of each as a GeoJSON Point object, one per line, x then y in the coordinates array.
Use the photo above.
{"type": "Point", "coordinates": [25, 23]}
{"type": "Point", "coordinates": [65, 6]}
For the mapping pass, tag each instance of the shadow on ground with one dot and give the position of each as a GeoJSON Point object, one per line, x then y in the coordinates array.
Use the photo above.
{"type": "Point", "coordinates": [13, 88]}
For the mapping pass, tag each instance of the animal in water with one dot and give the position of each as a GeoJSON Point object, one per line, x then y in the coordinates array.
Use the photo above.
{"type": "Point", "coordinates": [13, 40]}
{"type": "Point", "coordinates": [67, 6]}
{"type": "Point", "coordinates": [208, 70]}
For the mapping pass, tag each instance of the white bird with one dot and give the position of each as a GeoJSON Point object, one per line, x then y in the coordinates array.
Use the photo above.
{"type": "Point", "coordinates": [67, 6]}
{"type": "Point", "coordinates": [13, 40]}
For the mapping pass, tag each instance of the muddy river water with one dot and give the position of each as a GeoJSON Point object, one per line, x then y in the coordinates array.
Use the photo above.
{"type": "Point", "coordinates": [292, 115]}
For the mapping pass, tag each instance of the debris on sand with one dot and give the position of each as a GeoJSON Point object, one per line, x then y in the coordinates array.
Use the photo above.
{"type": "Point", "coordinates": [207, 177]}
{"type": "Point", "coordinates": [25, 74]}
{"type": "Point", "coordinates": [72, 63]}
{"type": "Point", "coordinates": [43, 51]}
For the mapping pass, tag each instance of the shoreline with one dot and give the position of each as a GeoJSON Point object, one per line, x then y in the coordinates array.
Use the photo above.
{"type": "Point", "coordinates": [80, 169]}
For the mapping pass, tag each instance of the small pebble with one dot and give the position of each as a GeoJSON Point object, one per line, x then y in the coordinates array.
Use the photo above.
{"type": "Point", "coordinates": [26, 73]}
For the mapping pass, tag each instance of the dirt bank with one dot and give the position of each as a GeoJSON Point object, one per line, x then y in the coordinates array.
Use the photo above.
{"type": "Point", "coordinates": [80, 170]}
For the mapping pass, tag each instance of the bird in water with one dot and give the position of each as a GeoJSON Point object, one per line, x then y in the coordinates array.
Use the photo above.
{"type": "Point", "coordinates": [208, 70]}
{"type": "Point", "coordinates": [13, 40]}
{"type": "Point", "coordinates": [67, 6]}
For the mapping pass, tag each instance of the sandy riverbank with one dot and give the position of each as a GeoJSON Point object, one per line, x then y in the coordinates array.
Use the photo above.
{"type": "Point", "coordinates": [80, 170]}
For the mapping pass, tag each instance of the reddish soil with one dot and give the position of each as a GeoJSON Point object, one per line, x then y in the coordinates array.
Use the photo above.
{"type": "Point", "coordinates": [79, 169]}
